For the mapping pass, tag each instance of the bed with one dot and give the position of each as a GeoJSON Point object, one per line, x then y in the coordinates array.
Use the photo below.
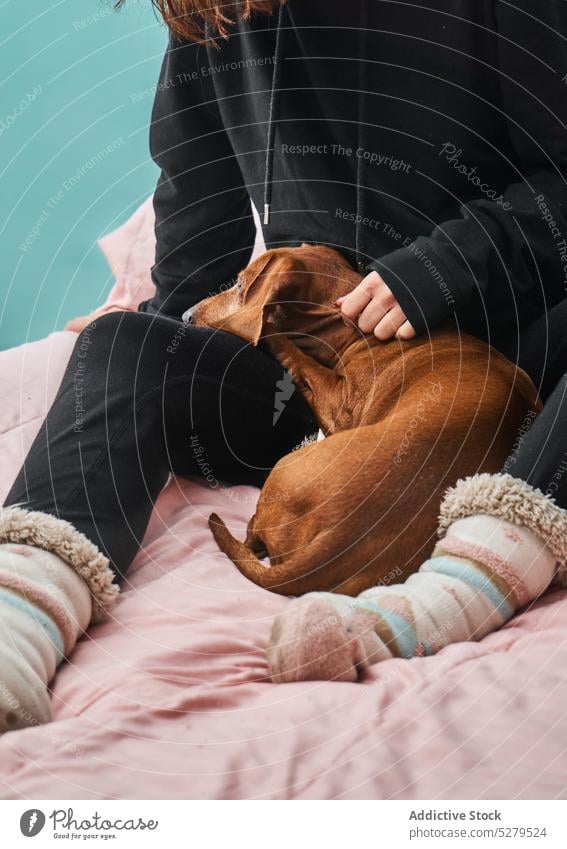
{"type": "Point", "coordinates": [170, 697]}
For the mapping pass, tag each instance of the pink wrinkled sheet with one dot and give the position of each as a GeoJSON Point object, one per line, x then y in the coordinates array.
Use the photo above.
{"type": "Point", "coordinates": [170, 698]}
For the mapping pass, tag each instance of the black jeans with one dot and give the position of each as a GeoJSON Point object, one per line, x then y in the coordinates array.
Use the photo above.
{"type": "Point", "coordinates": [144, 396]}
{"type": "Point", "coordinates": [540, 457]}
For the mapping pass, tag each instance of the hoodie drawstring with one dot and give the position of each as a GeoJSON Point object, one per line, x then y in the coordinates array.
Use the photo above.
{"type": "Point", "coordinates": [272, 115]}
{"type": "Point", "coordinates": [361, 259]}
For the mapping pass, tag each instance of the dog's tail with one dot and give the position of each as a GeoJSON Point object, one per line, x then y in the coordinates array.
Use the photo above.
{"type": "Point", "coordinates": [280, 579]}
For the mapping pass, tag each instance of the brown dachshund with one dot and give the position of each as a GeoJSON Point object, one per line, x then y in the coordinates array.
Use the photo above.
{"type": "Point", "coordinates": [404, 421]}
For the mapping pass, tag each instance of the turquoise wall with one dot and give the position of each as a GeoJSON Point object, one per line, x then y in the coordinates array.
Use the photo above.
{"type": "Point", "coordinates": [76, 84]}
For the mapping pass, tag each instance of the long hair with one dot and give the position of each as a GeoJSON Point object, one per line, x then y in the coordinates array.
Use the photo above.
{"type": "Point", "coordinates": [188, 18]}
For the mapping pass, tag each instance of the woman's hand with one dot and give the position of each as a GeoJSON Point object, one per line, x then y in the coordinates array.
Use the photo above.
{"type": "Point", "coordinates": [374, 308]}
{"type": "Point", "coordinates": [77, 325]}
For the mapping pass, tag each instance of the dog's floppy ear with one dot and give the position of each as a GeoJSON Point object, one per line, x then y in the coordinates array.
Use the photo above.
{"type": "Point", "coordinates": [279, 279]}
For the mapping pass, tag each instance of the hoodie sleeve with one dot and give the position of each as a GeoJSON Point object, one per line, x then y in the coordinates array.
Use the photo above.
{"type": "Point", "coordinates": [518, 242]}
{"type": "Point", "coordinates": [203, 216]}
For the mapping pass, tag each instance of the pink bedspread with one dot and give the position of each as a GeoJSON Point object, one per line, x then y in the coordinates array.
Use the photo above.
{"type": "Point", "coordinates": [170, 698]}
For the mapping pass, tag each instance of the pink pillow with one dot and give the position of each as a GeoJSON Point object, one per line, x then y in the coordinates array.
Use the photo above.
{"type": "Point", "coordinates": [130, 252]}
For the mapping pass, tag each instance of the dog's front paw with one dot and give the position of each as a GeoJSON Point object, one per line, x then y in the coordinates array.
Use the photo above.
{"type": "Point", "coordinates": [309, 642]}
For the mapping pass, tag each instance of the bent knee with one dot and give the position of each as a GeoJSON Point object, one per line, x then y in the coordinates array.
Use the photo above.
{"type": "Point", "coordinates": [122, 332]}
{"type": "Point", "coordinates": [135, 346]}
{"type": "Point", "coordinates": [109, 325]}
{"type": "Point", "coordinates": [106, 327]}
{"type": "Point", "coordinates": [114, 344]}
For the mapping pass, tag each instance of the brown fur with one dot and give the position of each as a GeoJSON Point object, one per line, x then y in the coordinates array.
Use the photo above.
{"type": "Point", "coordinates": [404, 421]}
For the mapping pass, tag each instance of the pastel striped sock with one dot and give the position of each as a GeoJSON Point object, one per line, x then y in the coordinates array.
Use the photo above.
{"type": "Point", "coordinates": [44, 606]}
{"type": "Point", "coordinates": [480, 574]}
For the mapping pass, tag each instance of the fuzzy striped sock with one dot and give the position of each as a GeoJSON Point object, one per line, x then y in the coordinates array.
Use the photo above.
{"type": "Point", "coordinates": [480, 574]}
{"type": "Point", "coordinates": [44, 606]}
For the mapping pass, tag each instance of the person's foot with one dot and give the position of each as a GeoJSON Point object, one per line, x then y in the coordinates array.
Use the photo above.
{"type": "Point", "coordinates": [480, 574]}
{"type": "Point", "coordinates": [44, 606]}
{"type": "Point", "coordinates": [323, 637]}
{"type": "Point", "coordinates": [24, 700]}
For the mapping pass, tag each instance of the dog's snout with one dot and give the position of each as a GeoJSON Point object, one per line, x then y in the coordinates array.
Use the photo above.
{"type": "Point", "coordinates": [187, 316]}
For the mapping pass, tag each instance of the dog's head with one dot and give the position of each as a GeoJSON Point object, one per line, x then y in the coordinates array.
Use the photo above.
{"type": "Point", "coordinates": [286, 290]}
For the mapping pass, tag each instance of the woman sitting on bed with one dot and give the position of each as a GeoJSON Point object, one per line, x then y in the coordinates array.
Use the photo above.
{"type": "Point", "coordinates": [413, 137]}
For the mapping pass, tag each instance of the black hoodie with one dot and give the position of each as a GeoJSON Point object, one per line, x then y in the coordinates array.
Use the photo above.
{"type": "Point", "coordinates": [425, 140]}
